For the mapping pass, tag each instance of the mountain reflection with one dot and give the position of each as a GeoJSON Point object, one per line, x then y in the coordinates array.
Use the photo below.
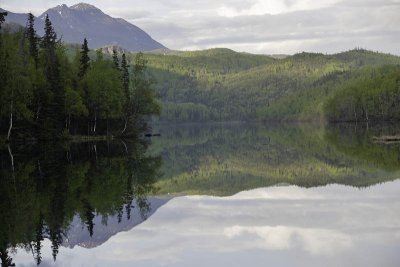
{"type": "Point", "coordinates": [46, 189]}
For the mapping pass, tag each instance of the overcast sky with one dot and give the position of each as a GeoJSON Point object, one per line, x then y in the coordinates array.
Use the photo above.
{"type": "Point", "coordinates": [256, 26]}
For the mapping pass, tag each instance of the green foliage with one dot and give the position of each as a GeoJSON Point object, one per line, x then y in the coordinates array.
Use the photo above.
{"type": "Point", "coordinates": [15, 93]}
{"type": "Point", "coordinates": [115, 59]}
{"type": "Point", "coordinates": [51, 116]}
{"type": "Point", "coordinates": [355, 141]}
{"type": "Point", "coordinates": [48, 93]}
{"type": "Point", "coordinates": [373, 96]}
{"type": "Point", "coordinates": [74, 103]}
{"type": "Point", "coordinates": [84, 60]}
{"type": "Point", "coordinates": [239, 86]}
{"type": "Point", "coordinates": [125, 77]}
{"type": "Point", "coordinates": [32, 38]}
{"type": "Point", "coordinates": [105, 89]}
{"type": "Point", "coordinates": [142, 94]}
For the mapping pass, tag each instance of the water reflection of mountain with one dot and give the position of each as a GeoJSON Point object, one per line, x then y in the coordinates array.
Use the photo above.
{"type": "Point", "coordinates": [103, 230]}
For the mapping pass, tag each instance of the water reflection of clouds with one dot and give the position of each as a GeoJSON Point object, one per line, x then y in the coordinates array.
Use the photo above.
{"type": "Point", "coordinates": [314, 241]}
{"type": "Point", "coordinates": [282, 226]}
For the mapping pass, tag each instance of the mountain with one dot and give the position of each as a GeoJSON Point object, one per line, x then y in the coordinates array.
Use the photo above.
{"type": "Point", "coordinates": [78, 235]}
{"type": "Point", "coordinates": [15, 17]}
{"type": "Point", "coordinates": [83, 20]}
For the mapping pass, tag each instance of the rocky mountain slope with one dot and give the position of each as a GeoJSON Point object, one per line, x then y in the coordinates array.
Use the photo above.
{"type": "Point", "coordinates": [83, 20]}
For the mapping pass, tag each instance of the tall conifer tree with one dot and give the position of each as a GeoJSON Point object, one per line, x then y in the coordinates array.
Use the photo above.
{"type": "Point", "coordinates": [125, 76]}
{"type": "Point", "coordinates": [85, 59]}
{"type": "Point", "coordinates": [115, 59]}
{"type": "Point", "coordinates": [33, 40]}
{"type": "Point", "coordinates": [52, 122]}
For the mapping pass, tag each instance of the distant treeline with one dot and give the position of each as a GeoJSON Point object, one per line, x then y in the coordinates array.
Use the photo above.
{"type": "Point", "coordinates": [223, 85]}
{"type": "Point", "coordinates": [45, 94]}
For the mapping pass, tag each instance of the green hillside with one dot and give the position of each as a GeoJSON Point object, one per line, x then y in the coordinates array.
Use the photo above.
{"type": "Point", "coordinates": [372, 96]}
{"type": "Point", "coordinates": [220, 84]}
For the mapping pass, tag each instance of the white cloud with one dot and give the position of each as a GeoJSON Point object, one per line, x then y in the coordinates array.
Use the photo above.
{"type": "Point", "coordinates": [274, 7]}
{"type": "Point", "coordinates": [258, 26]}
{"type": "Point", "coordinates": [314, 241]}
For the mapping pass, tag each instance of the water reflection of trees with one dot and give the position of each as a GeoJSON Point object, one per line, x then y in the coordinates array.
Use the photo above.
{"type": "Point", "coordinates": [226, 159]}
{"type": "Point", "coordinates": [44, 186]}
{"type": "Point", "coordinates": [356, 142]}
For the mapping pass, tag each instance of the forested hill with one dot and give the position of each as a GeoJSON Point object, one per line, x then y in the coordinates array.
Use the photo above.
{"type": "Point", "coordinates": [220, 84]}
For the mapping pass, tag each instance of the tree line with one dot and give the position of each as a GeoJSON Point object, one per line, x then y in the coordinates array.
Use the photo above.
{"type": "Point", "coordinates": [223, 85]}
{"type": "Point", "coordinates": [45, 95]}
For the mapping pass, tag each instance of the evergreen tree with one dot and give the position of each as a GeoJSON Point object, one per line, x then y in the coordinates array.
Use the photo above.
{"type": "Point", "coordinates": [84, 65]}
{"type": "Point", "coordinates": [33, 40]}
{"type": "Point", "coordinates": [88, 216]}
{"type": "Point", "coordinates": [56, 241]}
{"type": "Point", "coordinates": [3, 62]}
{"type": "Point", "coordinates": [115, 59]}
{"type": "Point", "coordinates": [2, 53]}
{"type": "Point", "coordinates": [85, 59]}
{"type": "Point", "coordinates": [120, 213]}
{"type": "Point", "coordinates": [125, 85]}
{"type": "Point", "coordinates": [37, 243]}
{"type": "Point", "coordinates": [6, 261]}
{"type": "Point", "coordinates": [125, 76]}
{"type": "Point", "coordinates": [50, 37]}
{"type": "Point", "coordinates": [52, 120]}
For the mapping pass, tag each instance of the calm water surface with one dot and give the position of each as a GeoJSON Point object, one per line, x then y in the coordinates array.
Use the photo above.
{"type": "Point", "coordinates": [205, 195]}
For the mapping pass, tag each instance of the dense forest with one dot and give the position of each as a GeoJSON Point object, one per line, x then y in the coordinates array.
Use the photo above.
{"type": "Point", "coordinates": [222, 85]}
{"type": "Point", "coordinates": [47, 94]}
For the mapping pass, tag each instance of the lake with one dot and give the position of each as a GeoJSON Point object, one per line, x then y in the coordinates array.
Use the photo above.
{"type": "Point", "coordinates": [226, 194]}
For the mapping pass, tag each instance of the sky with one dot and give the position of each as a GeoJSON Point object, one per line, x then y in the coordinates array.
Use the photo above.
{"type": "Point", "coordinates": [255, 26]}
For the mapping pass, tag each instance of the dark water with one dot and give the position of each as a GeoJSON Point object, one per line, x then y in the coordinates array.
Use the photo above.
{"type": "Point", "coordinates": [205, 195]}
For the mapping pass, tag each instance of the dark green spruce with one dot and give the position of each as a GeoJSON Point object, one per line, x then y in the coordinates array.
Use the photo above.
{"type": "Point", "coordinates": [32, 38]}
{"type": "Point", "coordinates": [85, 59]}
